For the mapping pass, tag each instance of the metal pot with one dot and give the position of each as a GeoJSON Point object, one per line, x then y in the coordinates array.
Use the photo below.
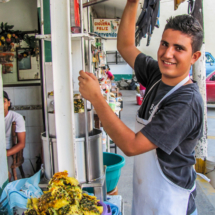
{"type": "Point", "coordinates": [95, 153]}
{"type": "Point", "coordinates": [49, 155]}
{"type": "Point", "coordinates": [79, 124]}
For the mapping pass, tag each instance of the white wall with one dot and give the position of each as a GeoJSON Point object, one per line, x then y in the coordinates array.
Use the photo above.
{"type": "Point", "coordinates": [23, 15]}
{"type": "Point", "coordinates": [20, 13]}
{"type": "Point", "coordinates": [111, 45]}
{"type": "Point", "coordinates": [120, 69]}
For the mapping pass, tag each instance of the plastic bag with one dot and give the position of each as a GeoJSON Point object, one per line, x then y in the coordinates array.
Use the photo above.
{"type": "Point", "coordinates": [132, 85]}
{"type": "Point", "coordinates": [17, 192]}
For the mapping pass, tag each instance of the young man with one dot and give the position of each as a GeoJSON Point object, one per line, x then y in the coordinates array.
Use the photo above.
{"type": "Point", "coordinates": [11, 116]}
{"type": "Point", "coordinates": [169, 122]}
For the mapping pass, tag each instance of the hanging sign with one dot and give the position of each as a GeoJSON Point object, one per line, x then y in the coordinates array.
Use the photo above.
{"type": "Point", "coordinates": [107, 28]}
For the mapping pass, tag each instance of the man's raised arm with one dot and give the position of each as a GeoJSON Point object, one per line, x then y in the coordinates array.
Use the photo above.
{"type": "Point", "coordinates": [126, 33]}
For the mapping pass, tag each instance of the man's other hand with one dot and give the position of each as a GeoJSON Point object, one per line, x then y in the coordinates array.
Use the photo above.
{"type": "Point", "coordinates": [89, 86]}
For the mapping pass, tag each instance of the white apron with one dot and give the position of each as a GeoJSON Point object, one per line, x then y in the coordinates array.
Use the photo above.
{"type": "Point", "coordinates": [153, 192]}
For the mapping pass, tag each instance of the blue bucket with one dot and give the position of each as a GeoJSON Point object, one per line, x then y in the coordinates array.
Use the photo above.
{"type": "Point", "coordinates": [114, 163]}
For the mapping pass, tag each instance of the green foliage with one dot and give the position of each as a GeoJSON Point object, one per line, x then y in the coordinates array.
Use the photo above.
{"type": "Point", "coordinates": [9, 36]}
{"type": "Point", "coordinates": [30, 40]}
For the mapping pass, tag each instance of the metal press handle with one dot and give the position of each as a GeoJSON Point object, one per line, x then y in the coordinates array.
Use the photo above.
{"type": "Point", "coordinates": [87, 160]}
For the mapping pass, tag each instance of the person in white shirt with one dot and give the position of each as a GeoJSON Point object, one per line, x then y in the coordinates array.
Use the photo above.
{"type": "Point", "coordinates": [11, 116]}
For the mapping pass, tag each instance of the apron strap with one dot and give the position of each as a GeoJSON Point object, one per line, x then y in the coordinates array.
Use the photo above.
{"type": "Point", "coordinates": [150, 90]}
{"type": "Point", "coordinates": [168, 94]}
{"type": "Point", "coordinates": [139, 120]}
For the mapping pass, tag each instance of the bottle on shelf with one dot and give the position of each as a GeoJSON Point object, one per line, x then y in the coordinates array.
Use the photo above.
{"type": "Point", "coordinates": [107, 91]}
{"type": "Point", "coordinates": [104, 140]}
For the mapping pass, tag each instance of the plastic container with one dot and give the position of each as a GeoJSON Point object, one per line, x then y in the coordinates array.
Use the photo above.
{"type": "Point", "coordinates": [107, 91]}
{"type": "Point", "coordinates": [139, 99]}
{"type": "Point", "coordinates": [113, 106]}
{"type": "Point", "coordinates": [75, 16]}
{"type": "Point", "coordinates": [210, 170]}
{"type": "Point", "coordinates": [106, 208]}
{"type": "Point", "coordinates": [76, 30]}
{"type": "Point", "coordinates": [114, 163]}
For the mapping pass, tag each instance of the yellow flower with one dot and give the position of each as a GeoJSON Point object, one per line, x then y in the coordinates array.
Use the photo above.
{"type": "Point", "coordinates": [9, 36]}
{"type": "Point", "coordinates": [0, 43]}
{"type": "Point", "coordinates": [25, 55]}
{"type": "Point", "coordinates": [2, 38]}
{"type": "Point", "coordinates": [13, 35]}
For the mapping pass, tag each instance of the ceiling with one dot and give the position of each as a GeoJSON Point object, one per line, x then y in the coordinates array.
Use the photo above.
{"type": "Point", "coordinates": [111, 8]}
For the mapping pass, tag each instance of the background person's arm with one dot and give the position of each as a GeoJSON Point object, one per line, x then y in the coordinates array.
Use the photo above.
{"type": "Point", "coordinates": [126, 34]}
{"type": "Point", "coordinates": [20, 144]}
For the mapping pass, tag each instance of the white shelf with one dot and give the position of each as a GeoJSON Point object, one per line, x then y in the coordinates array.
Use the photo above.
{"type": "Point", "coordinates": [80, 35]}
{"type": "Point", "coordinates": [47, 37]}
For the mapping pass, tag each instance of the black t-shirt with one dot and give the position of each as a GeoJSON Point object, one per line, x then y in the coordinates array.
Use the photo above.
{"type": "Point", "coordinates": [176, 127]}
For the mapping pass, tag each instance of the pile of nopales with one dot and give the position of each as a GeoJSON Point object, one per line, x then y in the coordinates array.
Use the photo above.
{"type": "Point", "coordinates": [64, 196]}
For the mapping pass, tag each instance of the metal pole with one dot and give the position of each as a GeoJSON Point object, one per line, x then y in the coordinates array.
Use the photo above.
{"type": "Point", "coordinates": [89, 42]}
{"type": "Point", "coordinates": [85, 101]}
{"type": "Point", "coordinates": [89, 50]}
{"type": "Point", "coordinates": [199, 75]}
{"type": "Point", "coordinates": [90, 3]}
{"type": "Point", "coordinates": [44, 79]}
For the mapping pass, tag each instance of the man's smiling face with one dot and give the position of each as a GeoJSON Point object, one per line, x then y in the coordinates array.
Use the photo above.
{"type": "Point", "coordinates": [175, 55]}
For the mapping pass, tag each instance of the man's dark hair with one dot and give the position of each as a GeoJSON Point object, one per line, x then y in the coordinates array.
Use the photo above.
{"type": "Point", "coordinates": [7, 97]}
{"type": "Point", "coordinates": [107, 67]}
{"type": "Point", "coordinates": [188, 25]}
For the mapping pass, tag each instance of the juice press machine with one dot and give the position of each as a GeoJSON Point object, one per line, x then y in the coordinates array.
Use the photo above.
{"type": "Point", "coordinates": [87, 141]}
